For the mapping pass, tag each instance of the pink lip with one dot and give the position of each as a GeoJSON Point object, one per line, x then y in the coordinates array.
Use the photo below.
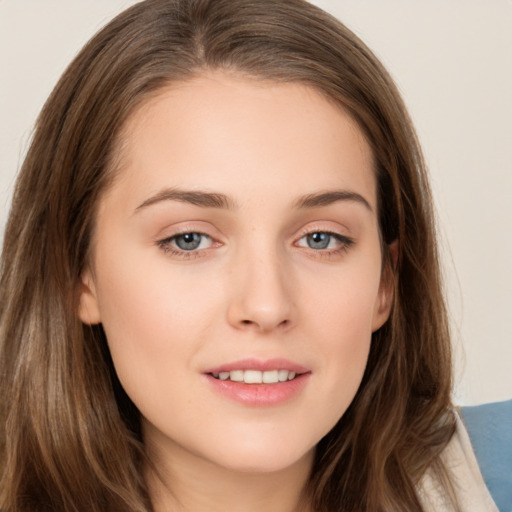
{"type": "Point", "coordinates": [262, 366]}
{"type": "Point", "coordinates": [259, 395]}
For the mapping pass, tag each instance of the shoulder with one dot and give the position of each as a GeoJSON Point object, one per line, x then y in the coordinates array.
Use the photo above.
{"type": "Point", "coordinates": [469, 487]}
{"type": "Point", "coordinates": [490, 429]}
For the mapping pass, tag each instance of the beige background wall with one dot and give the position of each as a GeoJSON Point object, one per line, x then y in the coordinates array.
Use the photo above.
{"type": "Point", "coordinates": [453, 62]}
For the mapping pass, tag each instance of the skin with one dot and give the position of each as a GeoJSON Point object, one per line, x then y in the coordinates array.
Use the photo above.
{"type": "Point", "coordinates": [254, 287]}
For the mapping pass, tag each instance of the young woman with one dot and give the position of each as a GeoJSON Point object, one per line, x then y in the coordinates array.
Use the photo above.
{"type": "Point", "coordinates": [219, 283]}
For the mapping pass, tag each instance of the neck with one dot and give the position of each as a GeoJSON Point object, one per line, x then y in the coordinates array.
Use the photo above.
{"type": "Point", "coordinates": [186, 483]}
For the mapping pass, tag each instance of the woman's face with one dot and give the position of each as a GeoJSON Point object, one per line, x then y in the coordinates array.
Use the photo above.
{"type": "Point", "coordinates": [237, 269]}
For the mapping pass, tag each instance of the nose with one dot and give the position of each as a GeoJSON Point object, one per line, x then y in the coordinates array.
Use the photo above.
{"type": "Point", "coordinates": [261, 295]}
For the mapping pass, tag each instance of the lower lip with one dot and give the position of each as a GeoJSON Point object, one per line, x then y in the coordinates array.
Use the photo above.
{"type": "Point", "coordinates": [262, 395]}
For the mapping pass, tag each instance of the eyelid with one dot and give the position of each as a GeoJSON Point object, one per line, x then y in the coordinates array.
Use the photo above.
{"type": "Point", "coordinates": [345, 241]}
{"type": "Point", "coordinates": [185, 226]}
{"type": "Point", "coordinates": [334, 234]}
{"type": "Point", "coordinates": [329, 227]}
{"type": "Point", "coordinates": [165, 243]}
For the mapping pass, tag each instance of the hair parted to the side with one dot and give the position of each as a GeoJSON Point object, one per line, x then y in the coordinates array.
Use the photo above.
{"type": "Point", "coordinates": [70, 438]}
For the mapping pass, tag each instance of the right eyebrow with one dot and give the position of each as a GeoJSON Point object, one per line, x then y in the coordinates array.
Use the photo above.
{"type": "Point", "coordinates": [196, 197]}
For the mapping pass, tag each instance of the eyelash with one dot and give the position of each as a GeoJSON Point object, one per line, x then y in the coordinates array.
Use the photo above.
{"type": "Point", "coordinates": [345, 243]}
{"type": "Point", "coordinates": [166, 244]}
{"type": "Point", "coordinates": [168, 248]}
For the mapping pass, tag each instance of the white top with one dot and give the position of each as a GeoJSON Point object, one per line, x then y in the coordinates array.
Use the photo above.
{"type": "Point", "coordinates": [470, 487]}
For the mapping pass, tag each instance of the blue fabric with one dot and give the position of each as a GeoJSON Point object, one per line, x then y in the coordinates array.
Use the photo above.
{"type": "Point", "coordinates": [490, 430]}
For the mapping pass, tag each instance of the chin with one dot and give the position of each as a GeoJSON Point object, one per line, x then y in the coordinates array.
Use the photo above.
{"type": "Point", "coordinates": [259, 458]}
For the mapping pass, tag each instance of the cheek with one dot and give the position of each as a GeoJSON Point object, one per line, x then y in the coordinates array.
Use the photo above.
{"type": "Point", "coordinates": [144, 295]}
{"type": "Point", "coordinates": [342, 317]}
{"type": "Point", "coordinates": [342, 303]}
{"type": "Point", "coordinates": [150, 318]}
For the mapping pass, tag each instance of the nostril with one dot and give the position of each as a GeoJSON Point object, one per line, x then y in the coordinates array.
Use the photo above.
{"type": "Point", "coordinates": [263, 326]}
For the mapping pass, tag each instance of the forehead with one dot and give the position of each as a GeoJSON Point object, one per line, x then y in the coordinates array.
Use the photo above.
{"type": "Point", "coordinates": [224, 128]}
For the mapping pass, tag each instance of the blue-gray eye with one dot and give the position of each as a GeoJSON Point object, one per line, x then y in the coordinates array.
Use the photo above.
{"type": "Point", "coordinates": [319, 240]}
{"type": "Point", "coordinates": [189, 241]}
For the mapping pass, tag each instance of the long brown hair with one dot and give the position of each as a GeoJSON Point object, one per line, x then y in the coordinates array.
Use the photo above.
{"type": "Point", "coordinates": [70, 438]}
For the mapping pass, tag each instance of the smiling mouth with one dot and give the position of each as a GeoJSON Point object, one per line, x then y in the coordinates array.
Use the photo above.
{"type": "Point", "coordinates": [256, 376]}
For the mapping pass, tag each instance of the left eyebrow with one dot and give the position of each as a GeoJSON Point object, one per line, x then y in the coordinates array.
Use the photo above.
{"type": "Point", "coordinates": [327, 198]}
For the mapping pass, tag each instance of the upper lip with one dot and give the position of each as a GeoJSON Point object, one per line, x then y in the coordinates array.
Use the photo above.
{"type": "Point", "coordinates": [261, 365]}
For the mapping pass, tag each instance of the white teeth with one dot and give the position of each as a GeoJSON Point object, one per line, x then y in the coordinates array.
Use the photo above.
{"type": "Point", "coordinates": [256, 376]}
{"type": "Point", "coordinates": [283, 375]}
{"type": "Point", "coordinates": [271, 377]}
{"type": "Point", "coordinates": [253, 377]}
{"type": "Point", "coordinates": [237, 375]}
